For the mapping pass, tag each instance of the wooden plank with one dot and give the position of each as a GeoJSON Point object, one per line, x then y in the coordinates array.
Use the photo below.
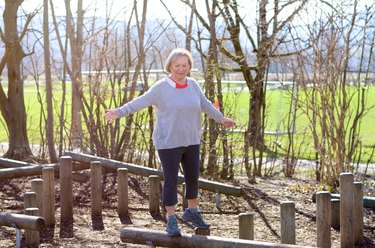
{"type": "Point", "coordinates": [160, 238]}
{"type": "Point", "coordinates": [145, 171]}
{"type": "Point", "coordinates": [22, 221]}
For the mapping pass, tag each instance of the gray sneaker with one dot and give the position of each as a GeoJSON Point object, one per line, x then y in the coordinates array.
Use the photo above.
{"type": "Point", "coordinates": [172, 227]}
{"type": "Point", "coordinates": [195, 219]}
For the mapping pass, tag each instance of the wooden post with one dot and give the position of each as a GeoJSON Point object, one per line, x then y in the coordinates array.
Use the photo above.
{"type": "Point", "coordinates": [32, 237]}
{"type": "Point", "coordinates": [29, 200]}
{"type": "Point", "coordinates": [184, 200]}
{"type": "Point", "coordinates": [37, 187]}
{"type": "Point", "coordinates": [66, 191]}
{"type": "Point", "coordinates": [323, 219]}
{"type": "Point", "coordinates": [49, 195]}
{"type": "Point", "coordinates": [202, 231]}
{"type": "Point", "coordinates": [358, 213]}
{"type": "Point", "coordinates": [346, 209]}
{"type": "Point", "coordinates": [246, 226]}
{"type": "Point", "coordinates": [96, 189]}
{"type": "Point", "coordinates": [154, 194]}
{"type": "Point", "coordinates": [123, 192]}
{"type": "Point", "coordinates": [335, 213]}
{"type": "Point", "coordinates": [288, 225]}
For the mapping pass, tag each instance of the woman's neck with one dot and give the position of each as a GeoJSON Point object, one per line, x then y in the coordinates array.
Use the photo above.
{"type": "Point", "coordinates": [179, 80]}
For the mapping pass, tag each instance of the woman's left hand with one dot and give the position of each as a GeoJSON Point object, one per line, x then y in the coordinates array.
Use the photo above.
{"type": "Point", "coordinates": [227, 122]}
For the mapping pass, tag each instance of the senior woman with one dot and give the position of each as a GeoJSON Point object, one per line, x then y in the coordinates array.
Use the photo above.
{"type": "Point", "coordinates": [179, 103]}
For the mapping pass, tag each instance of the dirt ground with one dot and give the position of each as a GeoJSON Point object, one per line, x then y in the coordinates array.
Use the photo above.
{"type": "Point", "coordinates": [262, 198]}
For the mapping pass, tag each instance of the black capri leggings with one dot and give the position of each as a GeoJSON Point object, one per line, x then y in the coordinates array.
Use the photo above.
{"type": "Point", "coordinates": [170, 160]}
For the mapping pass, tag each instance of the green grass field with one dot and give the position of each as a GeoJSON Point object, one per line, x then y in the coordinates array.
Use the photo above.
{"type": "Point", "coordinates": [236, 102]}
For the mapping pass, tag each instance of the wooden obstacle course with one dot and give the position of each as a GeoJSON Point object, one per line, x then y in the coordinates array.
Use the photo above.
{"type": "Point", "coordinates": [146, 171]}
{"type": "Point", "coordinates": [350, 217]}
{"type": "Point", "coordinates": [160, 238]}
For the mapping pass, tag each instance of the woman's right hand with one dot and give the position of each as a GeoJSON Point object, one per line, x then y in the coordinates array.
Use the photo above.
{"type": "Point", "coordinates": [110, 115]}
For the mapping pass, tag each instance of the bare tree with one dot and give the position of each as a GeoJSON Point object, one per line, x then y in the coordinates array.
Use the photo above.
{"type": "Point", "coordinates": [48, 78]}
{"type": "Point", "coordinates": [333, 106]}
{"type": "Point", "coordinates": [12, 105]}
{"type": "Point", "coordinates": [265, 42]}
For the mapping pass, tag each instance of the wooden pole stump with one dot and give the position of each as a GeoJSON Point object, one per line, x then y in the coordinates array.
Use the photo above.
{"type": "Point", "coordinates": [184, 200]}
{"type": "Point", "coordinates": [37, 187]}
{"type": "Point", "coordinates": [246, 226]}
{"type": "Point", "coordinates": [32, 238]}
{"type": "Point", "coordinates": [335, 213]}
{"type": "Point", "coordinates": [29, 200]}
{"type": "Point", "coordinates": [48, 174]}
{"type": "Point", "coordinates": [66, 190]}
{"type": "Point", "coordinates": [202, 231]}
{"type": "Point", "coordinates": [358, 213]}
{"type": "Point", "coordinates": [154, 194]}
{"type": "Point", "coordinates": [96, 189]}
{"type": "Point", "coordinates": [288, 225]}
{"type": "Point", "coordinates": [346, 209]}
{"type": "Point", "coordinates": [123, 192]}
{"type": "Point", "coordinates": [323, 219]}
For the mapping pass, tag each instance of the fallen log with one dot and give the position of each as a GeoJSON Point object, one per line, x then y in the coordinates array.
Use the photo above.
{"type": "Point", "coordinates": [113, 165]}
{"type": "Point", "coordinates": [160, 238]}
{"type": "Point", "coordinates": [22, 221]}
{"type": "Point", "coordinates": [34, 170]}
{"type": "Point", "coordinates": [368, 202]}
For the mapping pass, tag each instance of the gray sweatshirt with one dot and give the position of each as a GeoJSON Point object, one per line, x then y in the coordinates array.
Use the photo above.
{"type": "Point", "coordinates": [178, 112]}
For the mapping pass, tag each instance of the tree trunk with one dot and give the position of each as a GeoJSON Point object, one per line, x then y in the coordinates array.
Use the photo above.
{"type": "Point", "coordinates": [47, 67]}
{"type": "Point", "coordinates": [76, 76]}
{"type": "Point", "coordinates": [212, 169]}
{"type": "Point", "coordinates": [13, 106]}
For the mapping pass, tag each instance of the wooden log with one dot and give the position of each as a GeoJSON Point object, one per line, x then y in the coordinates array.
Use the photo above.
{"type": "Point", "coordinates": [29, 200]}
{"type": "Point", "coordinates": [335, 213]}
{"type": "Point", "coordinates": [66, 190]}
{"type": "Point", "coordinates": [368, 201]}
{"type": "Point", "coordinates": [288, 222]}
{"type": "Point", "coordinates": [32, 238]}
{"type": "Point", "coordinates": [36, 170]}
{"type": "Point", "coordinates": [37, 187]}
{"type": "Point", "coordinates": [146, 171]}
{"type": "Point", "coordinates": [358, 213]}
{"type": "Point", "coordinates": [22, 221]}
{"type": "Point", "coordinates": [96, 189]}
{"type": "Point", "coordinates": [11, 163]}
{"type": "Point", "coordinates": [123, 192]}
{"type": "Point", "coordinates": [323, 219]}
{"type": "Point", "coordinates": [154, 194]}
{"type": "Point", "coordinates": [160, 238]}
{"type": "Point", "coordinates": [246, 226]}
{"type": "Point", "coordinates": [185, 204]}
{"type": "Point", "coordinates": [346, 209]}
{"type": "Point", "coordinates": [49, 196]}
{"type": "Point", "coordinates": [202, 231]}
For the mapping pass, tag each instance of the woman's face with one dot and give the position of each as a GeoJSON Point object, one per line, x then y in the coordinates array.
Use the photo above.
{"type": "Point", "coordinates": [180, 67]}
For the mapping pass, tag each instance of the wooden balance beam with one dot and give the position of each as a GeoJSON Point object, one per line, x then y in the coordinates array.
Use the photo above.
{"type": "Point", "coordinates": [15, 169]}
{"type": "Point", "coordinates": [146, 171]}
{"type": "Point", "coordinates": [22, 221]}
{"type": "Point", "coordinates": [160, 238]}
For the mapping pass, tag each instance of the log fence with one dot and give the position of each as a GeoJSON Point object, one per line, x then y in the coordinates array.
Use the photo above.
{"type": "Point", "coordinates": [349, 218]}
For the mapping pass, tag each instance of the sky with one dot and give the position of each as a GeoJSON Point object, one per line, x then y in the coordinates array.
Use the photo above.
{"type": "Point", "coordinates": [117, 7]}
